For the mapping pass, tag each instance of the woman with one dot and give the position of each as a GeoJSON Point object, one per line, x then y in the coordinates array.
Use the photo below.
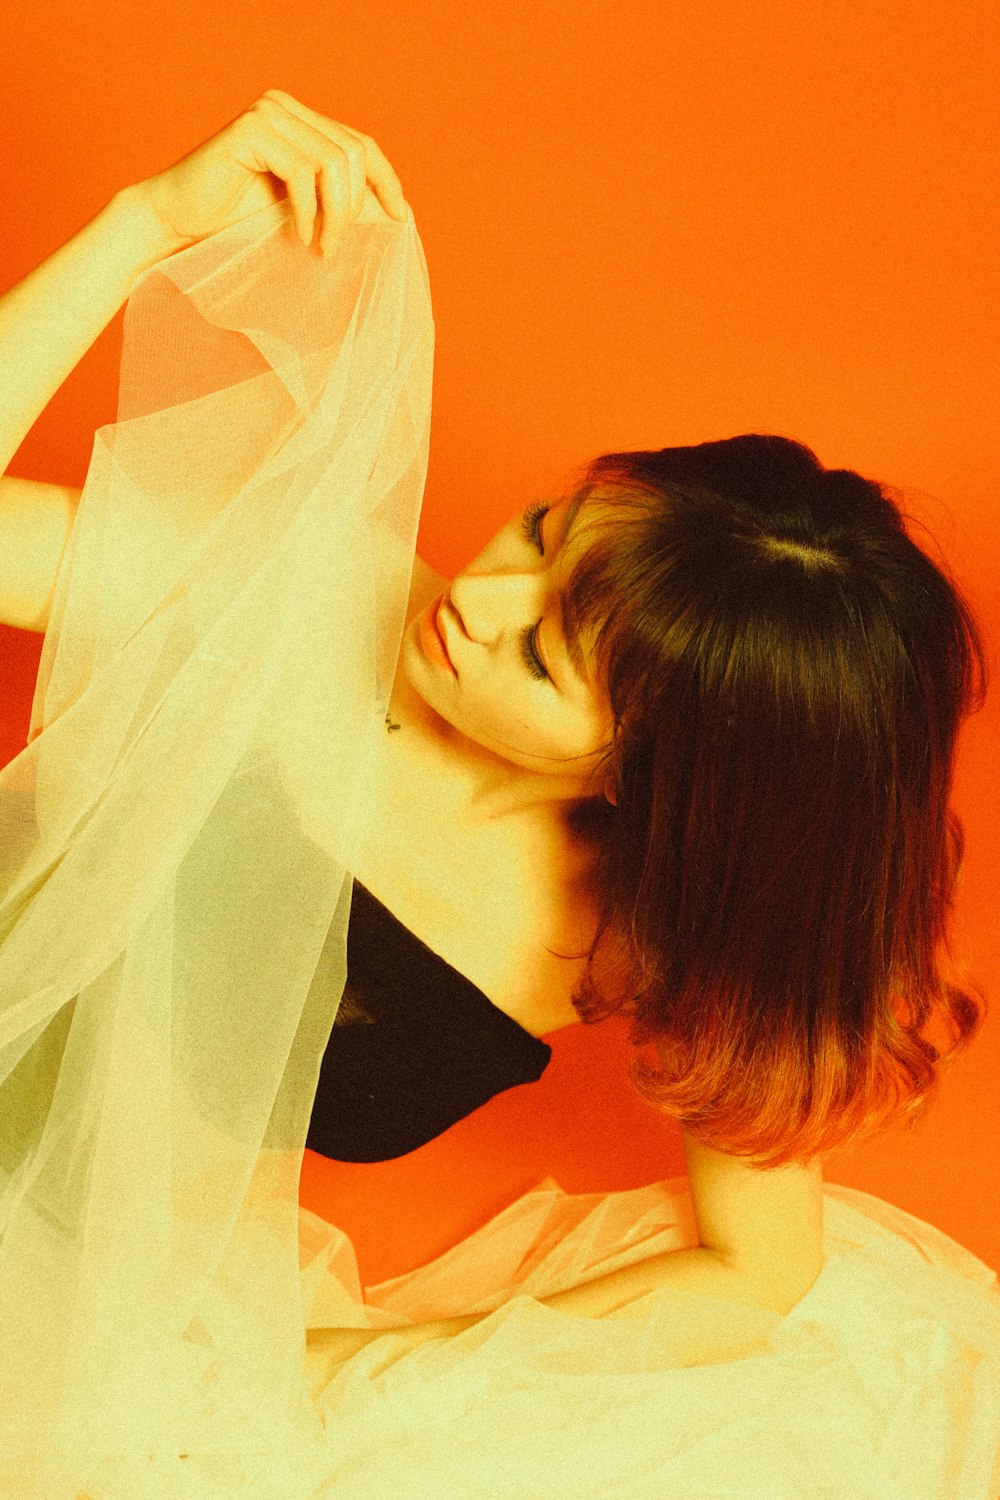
{"type": "Point", "coordinates": [697, 719]}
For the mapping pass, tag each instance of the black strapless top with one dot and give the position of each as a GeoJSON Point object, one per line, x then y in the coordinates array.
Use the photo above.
{"type": "Point", "coordinates": [415, 1046]}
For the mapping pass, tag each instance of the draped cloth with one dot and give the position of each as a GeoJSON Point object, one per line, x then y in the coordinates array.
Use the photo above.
{"type": "Point", "coordinates": [227, 615]}
{"type": "Point", "coordinates": [176, 849]}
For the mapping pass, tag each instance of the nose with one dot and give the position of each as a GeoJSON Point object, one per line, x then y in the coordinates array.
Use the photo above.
{"type": "Point", "coordinates": [486, 604]}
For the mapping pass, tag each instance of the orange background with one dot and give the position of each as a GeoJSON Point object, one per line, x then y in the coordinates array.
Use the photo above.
{"type": "Point", "coordinates": [646, 224]}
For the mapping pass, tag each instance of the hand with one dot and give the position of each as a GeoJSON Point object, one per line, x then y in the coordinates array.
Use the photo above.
{"type": "Point", "coordinates": [276, 148]}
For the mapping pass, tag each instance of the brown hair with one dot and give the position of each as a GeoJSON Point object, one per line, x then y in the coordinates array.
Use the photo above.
{"type": "Point", "coordinates": [787, 672]}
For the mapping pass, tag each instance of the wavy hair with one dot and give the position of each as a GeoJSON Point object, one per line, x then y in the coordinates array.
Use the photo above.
{"type": "Point", "coordinates": [787, 672]}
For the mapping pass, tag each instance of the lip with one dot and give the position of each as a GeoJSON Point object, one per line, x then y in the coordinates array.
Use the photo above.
{"type": "Point", "coordinates": [434, 640]}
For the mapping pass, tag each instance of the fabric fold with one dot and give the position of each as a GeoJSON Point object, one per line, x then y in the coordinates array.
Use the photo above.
{"type": "Point", "coordinates": [177, 843]}
{"type": "Point", "coordinates": [227, 617]}
{"type": "Point", "coordinates": [884, 1379]}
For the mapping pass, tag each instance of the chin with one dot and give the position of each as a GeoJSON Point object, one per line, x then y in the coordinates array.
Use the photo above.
{"type": "Point", "coordinates": [418, 672]}
{"type": "Point", "coordinates": [412, 663]}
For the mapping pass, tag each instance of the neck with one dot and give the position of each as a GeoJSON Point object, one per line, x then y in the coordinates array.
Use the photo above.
{"type": "Point", "coordinates": [480, 786]}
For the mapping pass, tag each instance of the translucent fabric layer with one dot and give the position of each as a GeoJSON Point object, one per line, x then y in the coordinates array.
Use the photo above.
{"type": "Point", "coordinates": [883, 1380]}
{"type": "Point", "coordinates": [177, 842]}
{"type": "Point", "coordinates": [228, 612]}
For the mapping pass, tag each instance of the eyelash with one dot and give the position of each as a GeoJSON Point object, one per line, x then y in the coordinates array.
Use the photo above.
{"type": "Point", "coordinates": [532, 521]}
{"type": "Point", "coordinates": [530, 526]}
{"type": "Point", "coordinates": [529, 654]}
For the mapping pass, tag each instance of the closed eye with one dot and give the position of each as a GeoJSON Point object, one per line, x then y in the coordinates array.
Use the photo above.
{"type": "Point", "coordinates": [532, 527]}
{"type": "Point", "coordinates": [532, 524]}
{"type": "Point", "coordinates": [529, 652]}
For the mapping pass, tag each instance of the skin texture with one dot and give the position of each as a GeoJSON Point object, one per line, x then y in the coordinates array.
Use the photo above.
{"type": "Point", "coordinates": [512, 742]}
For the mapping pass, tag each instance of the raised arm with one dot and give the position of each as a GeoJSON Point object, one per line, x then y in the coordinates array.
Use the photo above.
{"type": "Point", "coordinates": [35, 523]}
{"type": "Point", "coordinates": [49, 320]}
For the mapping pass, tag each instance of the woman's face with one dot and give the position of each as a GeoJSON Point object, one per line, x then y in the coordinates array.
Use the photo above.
{"type": "Point", "coordinates": [512, 687]}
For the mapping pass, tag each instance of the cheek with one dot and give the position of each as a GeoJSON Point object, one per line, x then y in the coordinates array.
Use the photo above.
{"type": "Point", "coordinates": [499, 710]}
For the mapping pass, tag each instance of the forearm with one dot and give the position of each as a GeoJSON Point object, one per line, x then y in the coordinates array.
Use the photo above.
{"type": "Point", "coordinates": [698, 1333]}
{"type": "Point", "coordinates": [49, 319]}
{"type": "Point", "coordinates": [698, 1269]}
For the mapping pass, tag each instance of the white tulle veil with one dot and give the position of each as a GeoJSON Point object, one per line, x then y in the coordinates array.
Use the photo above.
{"type": "Point", "coordinates": [176, 843]}
{"type": "Point", "coordinates": [176, 848]}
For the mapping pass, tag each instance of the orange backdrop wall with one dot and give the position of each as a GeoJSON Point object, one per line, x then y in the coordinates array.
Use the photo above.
{"type": "Point", "coordinates": [646, 224]}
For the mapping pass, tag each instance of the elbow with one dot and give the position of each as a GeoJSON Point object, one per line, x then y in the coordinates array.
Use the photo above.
{"type": "Point", "coordinates": [778, 1285]}
{"type": "Point", "coordinates": [767, 1225]}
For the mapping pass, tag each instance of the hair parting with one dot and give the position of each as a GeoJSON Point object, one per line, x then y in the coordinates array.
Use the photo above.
{"type": "Point", "coordinates": [788, 672]}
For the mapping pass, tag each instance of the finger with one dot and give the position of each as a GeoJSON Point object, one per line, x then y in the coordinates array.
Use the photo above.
{"type": "Point", "coordinates": [383, 178]}
{"type": "Point", "coordinates": [346, 155]}
{"type": "Point", "coordinates": [378, 169]}
{"type": "Point", "coordinates": [351, 172]}
{"type": "Point", "coordinates": [341, 166]}
{"type": "Point", "coordinates": [268, 151]}
{"type": "Point", "coordinates": [302, 195]}
{"type": "Point", "coordinates": [337, 212]}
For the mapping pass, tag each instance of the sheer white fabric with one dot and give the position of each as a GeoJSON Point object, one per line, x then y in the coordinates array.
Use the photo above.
{"type": "Point", "coordinates": [883, 1380]}
{"type": "Point", "coordinates": [176, 844]}
{"type": "Point", "coordinates": [227, 616]}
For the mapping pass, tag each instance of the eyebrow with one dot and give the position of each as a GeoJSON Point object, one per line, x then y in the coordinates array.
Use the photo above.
{"type": "Point", "coordinates": [569, 636]}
